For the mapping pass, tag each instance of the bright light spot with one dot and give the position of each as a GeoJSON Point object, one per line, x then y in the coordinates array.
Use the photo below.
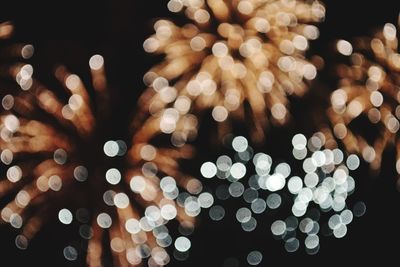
{"type": "Point", "coordinates": [278, 228]}
{"type": "Point", "coordinates": [14, 174]}
{"type": "Point", "coordinates": [182, 244]}
{"type": "Point", "coordinates": [353, 162]}
{"type": "Point", "coordinates": [16, 220]}
{"type": "Point", "coordinates": [55, 183]}
{"type": "Point", "coordinates": [243, 215]}
{"type": "Point", "coordinates": [299, 141]}
{"type": "Point", "coordinates": [295, 184]}
{"type": "Point", "coordinates": [344, 47]}
{"type": "Point", "coordinates": [27, 51]}
{"type": "Point", "coordinates": [138, 184]}
{"type": "Point", "coordinates": [220, 50]}
{"type": "Point", "coordinates": [168, 212]}
{"type": "Point", "coordinates": [132, 226]}
{"type": "Point", "coordinates": [206, 200]}
{"type": "Point", "coordinates": [96, 62]}
{"type": "Point", "coordinates": [245, 7]}
{"type": "Point", "coordinates": [224, 163]}
{"type": "Point", "coordinates": [175, 5]}
{"type": "Point", "coordinates": [148, 152]}
{"type": "Point", "coordinates": [275, 182]}
{"type": "Point", "coordinates": [111, 148]}
{"type": "Point", "coordinates": [219, 113]}
{"type": "Point", "coordinates": [72, 82]}
{"type": "Point", "coordinates": [278, 111]}
{"type": "Point", "coordinates": [151, 45]}
{"type": "Point", "coordinates": [121, 200]}
{"type": "Point", "coordinates": [208, 169]}
{"type": "Point", "coordinates": [238, 170]}
{"type": "Point", "coordinates": [239, 144]}
{"type": "Point", "coordinates": [389, 31]}
{"type": "Point", "coordinates": [65, 216]}
{"type": "Point", "coordinates": [104, 220]}
{"type": "Point", "coordinates": [167, 184]}
{"type": "Point", "coordinates": [113, 176]}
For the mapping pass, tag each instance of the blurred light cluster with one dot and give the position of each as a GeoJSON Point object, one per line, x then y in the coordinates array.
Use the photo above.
{"type": "Point", "coordinates": [6, 29]}
{"type": "Point", "coordinates": [319, 195]}
{"type": "Point", "coordinates": [232, 54]}
{"type": "Point", "coordinates": [49, 148]}
{"type": "Point", "coordinates": [368, 89]}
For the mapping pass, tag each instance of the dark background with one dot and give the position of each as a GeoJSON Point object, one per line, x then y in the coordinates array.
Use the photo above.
{"type": "Point", "coordinates": [69, 32]}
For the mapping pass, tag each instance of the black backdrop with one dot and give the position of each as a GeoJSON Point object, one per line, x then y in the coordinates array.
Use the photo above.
{"type": "Point", "coordinates": [69, 32]}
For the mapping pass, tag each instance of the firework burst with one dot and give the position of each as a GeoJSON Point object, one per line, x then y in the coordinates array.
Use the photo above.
{"type": "Point", "coordinates": [53, 146]}
{"type": "Point", "coordinates": [368, 90]}
{"type": "Point", "coordinates": [235, 54]}
{"type": "Point", "coordinates": [318, 197]}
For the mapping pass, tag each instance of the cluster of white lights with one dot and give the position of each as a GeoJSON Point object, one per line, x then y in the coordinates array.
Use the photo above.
{"type": "Point", "coordinates": [321, 191]}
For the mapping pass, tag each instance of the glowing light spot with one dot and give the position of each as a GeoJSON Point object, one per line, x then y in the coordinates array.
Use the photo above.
{"type": "Point", "coordinates": [96, 62]}
{"type": "Point", "coordinates": [278, 228]}
{"type": "Point", "coordinates": [206, 200]}
{"type": "Point", "coordinates": [208, 170]}
{"type": "Point", "coordinates": [238, 170]}
{"type": "Point", "coordinates": [55, 183]}
{"type": "Point", "coordinates": [275, 182]}
{"type": "Point", "coordinates": [14, 174]}
{"type": "Point", "coordinates": [121, 200]}
{"type": "Point", "coordinates": [278, 111]}
{"type": "Point", "coordinates": [132, 226]}
{"type": "Point", "coordinates": [111, 148]}
{"type": "Point", "coordinates": [182, 244]}
{"type": "Point", "coordinates": [113, 176]}
{"type": "Point", "coordinates": [245, 7]}
{"type": "Point", "coordinates": [72, 82]}
{"type": "Point", "coordinates": [352, 162]}
{"type": "Point", "coordinates": [168, 212]}
{"type": "Point", "coordinates": [11, 123]}
{"type": "Point", "coordinates": [239, 144]}
{"type": "Point", "coordinates": [65, 216]}
{"type": "Point", "coordinates": [197, 43]}
{"type": "Point", "coordinates": [104, 220]}
{"type": "Point", "coordinates": [243, 215]}
{"type": "Point", "coordinates": [220, 113]}
{"type": "Point", "coordinates": [175, 6]}
{"type": "Point", "coordinates": [220, 50]}
{"type": "Point", "coordinates": [27, 51]}
{"type": "Point", "coordinates": [344, 47]}
{"type": "Point", "coordinates": [151, 45]}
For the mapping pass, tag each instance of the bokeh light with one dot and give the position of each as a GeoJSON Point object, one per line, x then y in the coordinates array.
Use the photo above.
{"type": "Point", "coordinates": [228, 55]}
{"type": "Point", "coordinates": [318, 197]}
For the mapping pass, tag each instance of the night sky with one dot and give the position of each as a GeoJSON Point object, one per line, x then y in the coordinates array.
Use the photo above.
{"type": "Point", "coordinates": [70, 32]}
